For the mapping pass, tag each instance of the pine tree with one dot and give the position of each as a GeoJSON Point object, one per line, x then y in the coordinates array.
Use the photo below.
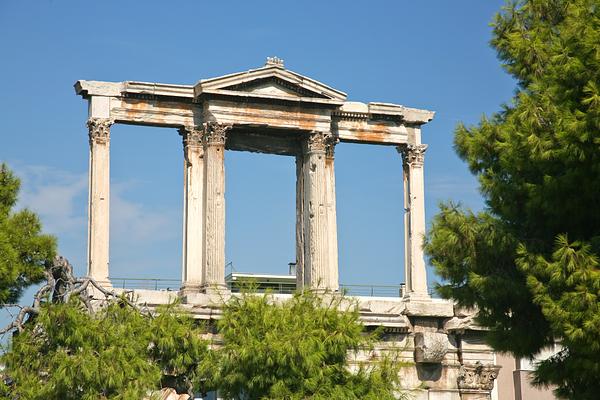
{"type": "Point", "coordinates": [116, 353]}
{"type": "Point", "coordinates": [529, 260]}
{"type": "Point", "coordinates": [24, 250]}
{"type": "Point", "coordinates": [299, 349]}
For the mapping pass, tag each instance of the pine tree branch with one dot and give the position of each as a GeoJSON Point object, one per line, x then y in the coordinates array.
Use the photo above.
{"type": "Point", "coordinates": [61, 285]}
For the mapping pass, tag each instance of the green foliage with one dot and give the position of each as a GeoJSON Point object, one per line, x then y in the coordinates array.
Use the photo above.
{"type": "Point", "coordinates": [24, 251]}
{"type": "Point", "coordinates": [567, 288]}
{"type": "Point", "coordinates": [116, 353]}
{"type": "Point", "coordinates": [298, 350]}
{"type": "Point", "coordinates": [538, 164]}
{"type": "Point", "coordinates": [179, 349]}
{"type": "Point", "coordinates": [475, 255]}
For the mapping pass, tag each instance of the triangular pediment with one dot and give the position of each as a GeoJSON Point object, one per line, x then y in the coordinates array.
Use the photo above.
{"type": "Point", "coordinates": [275, 86]}
{"type": "Point", "coordinates": [270, 81]}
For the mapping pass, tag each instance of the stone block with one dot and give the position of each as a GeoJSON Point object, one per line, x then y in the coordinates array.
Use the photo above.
{"type": "Point", "coordinates": [429, 308]}
{"type": "Point", "coordinates": [430, 347]}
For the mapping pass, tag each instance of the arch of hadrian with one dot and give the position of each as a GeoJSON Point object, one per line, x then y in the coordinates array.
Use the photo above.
{"type": "Point", "coordinates": [277, 111]}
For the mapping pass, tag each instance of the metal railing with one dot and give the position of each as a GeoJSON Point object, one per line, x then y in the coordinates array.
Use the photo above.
{"type": "Point", "coordinates": [175, 284]}
{"type": "Point", "coordinates": [373, 290]}
{"type": "Point", "coordinates": [146, 283]}
{"type": "Point", "coordinates": [261, 287]}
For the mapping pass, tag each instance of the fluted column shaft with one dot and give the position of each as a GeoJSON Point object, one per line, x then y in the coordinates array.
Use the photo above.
{"type": "Point", "coordinates": [331, 214]}
{"type": "Point", "coordinates": [99, 199]}
{"type": "Point", "coordinates": [317, 266]}
{"type": "Point", "coordinates": [414, 219]}
{"type": "Point", "coordinates": [214, 198]}
{"type": "Point", "coordinates": [193, 209]}
{"type": "Point", "coordinates": [300, 221]}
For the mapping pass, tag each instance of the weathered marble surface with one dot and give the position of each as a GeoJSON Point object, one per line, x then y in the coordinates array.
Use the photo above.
{"type": "Point", "coordinates": [271, 110]}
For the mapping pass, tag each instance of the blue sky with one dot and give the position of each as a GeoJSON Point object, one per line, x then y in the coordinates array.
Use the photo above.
{"type": "Point", "coordinates": [425, 54]}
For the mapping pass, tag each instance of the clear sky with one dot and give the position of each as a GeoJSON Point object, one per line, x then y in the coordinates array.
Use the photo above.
{"type": "Point", "coordinates": [424, 54]}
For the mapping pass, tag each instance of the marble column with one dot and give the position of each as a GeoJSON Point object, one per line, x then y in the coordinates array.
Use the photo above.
{"type": "Point", "coordinates": [214, 200]}
{"type": "Point", "coordinates": [317, 267]}
{"type": "Point", "coordinates": [299, 221]}
{"type": "Point", "coordinates": [193, 209]}
{"type": "Point", "coordinates": [99, 199]}
{"type": "Point", "coordinates": [331, 213]}
{"type": "Point", "coordinates": [414, 220]}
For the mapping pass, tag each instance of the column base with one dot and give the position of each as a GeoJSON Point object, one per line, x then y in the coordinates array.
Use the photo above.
{"type": "Point", "coordinates": [190, 288]}
{"type": "Point", "coordinates": [322, 290]}
{"type": "Point", "coordinates": [191, 293]}
{"type": "Point", "coordinates": [104, 282]}
{"type": "Point", "coordinates": [97, 297]}
{"type": "Point", "coordinates": [215, 288]}
{"type": "Point", "coordinates": [416, 296]}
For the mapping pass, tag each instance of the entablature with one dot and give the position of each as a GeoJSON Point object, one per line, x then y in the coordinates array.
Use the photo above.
{"type": "Point", "coordinates": [269, 99]}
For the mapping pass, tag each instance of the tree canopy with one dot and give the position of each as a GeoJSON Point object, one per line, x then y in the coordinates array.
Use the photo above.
{"type": "Point", "coordinates": [529, 261]}
{"type": "Point", "coordinates": [299, 350]}
{"type": "Point", "coordinates": [72, 348]}
{"type": "Point", "coordinates": [24, 250]}
{"type": "Point", "coordinates": [116, 353]}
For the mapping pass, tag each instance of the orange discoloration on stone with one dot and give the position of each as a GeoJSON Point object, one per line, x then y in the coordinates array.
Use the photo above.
{"type": "Point", "coordinates": [371, 137]}
{"type": "Point", "coordinates": [153, 111]}
{"type": "Point", "coordinates": [368, 131]}
{"type": "Point", "coordinates": [270, 115]}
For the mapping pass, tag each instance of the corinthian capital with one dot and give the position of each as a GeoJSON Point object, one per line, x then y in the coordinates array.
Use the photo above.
{"type": "Point", "coordinates": [99, 130]}
{"type": "Point", "coordinates": [413, 154]}
{"type": "Point", "coordinates": [192, 136]}
{"type": "Point", "coordinates": [317, 141]}
{"type": "Point", "coordinates": [215, 133]}
{"type": "Point", "coordinates": [477, 376]}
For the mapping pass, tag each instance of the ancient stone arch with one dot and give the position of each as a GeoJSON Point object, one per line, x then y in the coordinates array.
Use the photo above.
{"type": "Point", "coordinates": [274, 110]}
{"type": "Point", "coordinates": [269, 110]}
